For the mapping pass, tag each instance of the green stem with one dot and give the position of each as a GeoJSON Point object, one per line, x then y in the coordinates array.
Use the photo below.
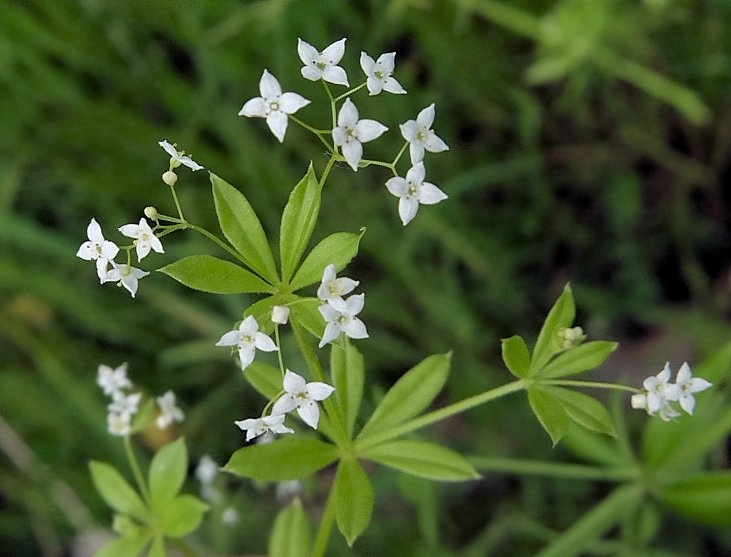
{"type": "Point", "coordinates": [351, 91]}
{"type": "Point", "coordinates": [368, 162]}
{"type": "Point", "coordinates": [170, 229]}
{"type": "Point", "coordinates": [326, 524]}
{"type": "Point", "coordinates": [139, 478]}
{"type": "Point", "coordinates": [441, 414]}
{"type": "Point", "coordinates": [328, 168]}
{"type": "Point", "coordinates": [168, 218]}
{"type": "Point", "coordinates": [552, 469]}
{"type": "Point", "coordinates": [332, 109]}
{"type": "Point", "coordinates": [279, 349]}
{"type": "Point", "coordinates": [177, 203]}
{"type": "Point", "coordinates": [399, 155]}
{"type": "Point", "coordinates": [588, 384]}
{"type": "Point", "coordinates": [219, 242]}
{"type": "Point", "coordinates": [318, 133]}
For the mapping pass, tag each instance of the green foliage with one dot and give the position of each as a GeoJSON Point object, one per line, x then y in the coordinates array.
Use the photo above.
{"type": "Point", "coordinates": [210, 274]}
{"type": "Point", "coordinates": [115, 490]}
{"type": "Point", "coordinates": [560, 317]}
{"type": "Point", "coordinates": [290, 535]}
{"type": "Point", "coordinates": [582, 358]}
{"type": "Point", "coordinates": [704, 497]}
{"type": "Point", "coordinates": [337, 249]}
{"type": "Point", "coordinates": [353, 499]}
{"type": "Point", "coordinates": [425, 460]}
{"type": "Point", "coordinates": [167, 472]}
{"type": "Point", "coordinates": [516, 356]}
{"type": "Point", "coordinates": [347, 368]}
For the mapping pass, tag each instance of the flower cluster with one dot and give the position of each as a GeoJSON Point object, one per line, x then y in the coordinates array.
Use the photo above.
{"type": "Point", "coordinates": [569, 337]}
{"type": "Point", "coordinates": [659, 394]}
{"type": "Point", "coordinates": [340, 313]}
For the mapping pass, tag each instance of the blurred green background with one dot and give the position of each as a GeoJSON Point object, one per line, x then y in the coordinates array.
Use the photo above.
{"type": "Point", "coordinates": [590, 141]}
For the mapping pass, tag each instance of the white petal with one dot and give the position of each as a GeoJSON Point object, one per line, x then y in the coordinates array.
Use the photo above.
{"type": "Point", "coordinates": [269, 86]}
{"type": "Point", "coordinates": [281, 428]}
{"type": "Point", "coordinates": [169, 149]}
{"type": "Point", "coordinates": [664, 375]}
{"type": "Point", "coordinates": [307, 53]}
{"type": "Point", "coordinates": [289, 103]}
{"type": "Point", "coordinates": [348, 115]}
{"type": "Point", "coordinates": [277, 122]}
{"type": "Point", "coordinates": [313, 73]}
{"type": "Point", "coordinates": [332, 331]}
{"type": "Point", "coordinates": [328, 312]}
{"type": "Point", "coordinates": [329, 274]}
{"type": "Point", "coordinates": [246, 355]}
{"type": "Point", "coordinates": [130, 230]}
{"type": "Point", "coordinates": [407, 208]}
{"type": "Point", "coordinates": [249, 423]}
{"type": "Point", "coordinates": [408, 130]}
{"type": "Point", "coordinates": [416, 151]}
{"type": "Point", "coordinates": [310, 413]}
{"type": "Point", "coordinates": [353, 152]}
{"type": "Point", "coordinates": [355, 328]}
{"type": "Point", "coordinates": [138, 273]}
{"type": "Point", "coordinates": [345, 285]}
{"type": "Point", "coordinates": [434, 144]}
{"type": "Point", "coordinates": [684, 374]}
{"type": "Point", "coordinates": [130, 283]}
{"type": "Point", "coordinates": [397, 186]}
{"type": "Point", "coordinates": [387, 61]}
{"type": "Point", "coordinates": [94, 232]}
{"type": "Point", "coordinates": [109, 250]}
{"type": "Point", "coordinates": [429, 194]}
{"type": "Point", "coordinates": [285, 404]}
{"type": "Point", "coordinates": [86, 251]}
{"type": "Point", "coordinates": [367, 64]}
{"type": "Point", "coordinates": [156, 244]}
{"type": "Point", "coordinates": [333, 53]}
{"type": "Point", "coordinates": [416, 173]}
{"type": "Point", "coordinates": [374, 85]}
{"type": "Point", "coordinates": [249, 326]}
{"type": "Point", "coordinates": [687, 403]}
{"type": "Point", "coordinates": [393, 86]}
{"type": "Point", "coordinates": [425, 119]}
{"type": "Point", "coordinates": [142, 249]}
{"type": "Point", "coordinates": [264, 343]}
{"type": "Point", "coordinates": [698, 384]}
{"type": "Point", "coordinates": [254, 108]}
{"type": "Point", "coordinates": [368, 130]}
{"type": "Point", "coordinates": [650, 383]}
{"type": "Point", "coordinates": [274, 419]}
{"type": "Point", "coordinates": [339, 136]}
{"type": "Point", "coordinates": [102, 266]}
{"type": "Point", "coordinates": [319, 391]}
{"type": "Point", "coordinates": [293, 383]}
{"type": "Point", "coordinates": [654, 402]}
{"type": "Point", "coordinates": [190, 163]}
{"type": "Point", "coordinates": [336, 75]}
{"type": "Point", "coordinates": [355, 304]}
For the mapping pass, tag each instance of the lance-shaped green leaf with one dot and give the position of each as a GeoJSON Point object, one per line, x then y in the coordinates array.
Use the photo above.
{"type": "Point", "coordinates": [426, 460]}
{"type": "Point", "coordinates": [289, 458]}
{"type": "Point", "coordinates": [550, 413]}
{"type": "Point", "coordinates": [305, 312]}
{"type": "Point", "coordinates": [347, 369]}
{"type": "Point", "coordinates": [298, 221]}
{"type": "Point", "coordinates": [157, 549]}
{"type": "Point", "coordinates": [353, 495]}
{"type": "Point", "coordinates": [410, 395]}
{"type": "Point", "coordinates": [338, 249]}
{"type": "Point", "coordinates": [602, 518]}
{"type": "Point", "coordinates": [167, 472]}
{"type": "Point", "coordinates": [290, 536]}
{"type": "Point", "coordinates": [561, 315]}
{"type": "Point", "coordinates": [577, 360]}
{"type": "Point", "coordinates": [181, 515]}
{"type": "Point", "coordinates": [516, 356]}
{"type": "Point", "coordinates": [126, 546]}
{"type": "Point", "coordinates": [705, 497]}
{"type": "Point", "coordinates": [210, 274]}
{"type": "Point", "coordinates": [583, 409]}
{"type": "Point", "coordinates": [242, 228]}
{"type": "Point", "coordinates": [115, 490]}
{"type": "Point", "coordinates": [264, 378]}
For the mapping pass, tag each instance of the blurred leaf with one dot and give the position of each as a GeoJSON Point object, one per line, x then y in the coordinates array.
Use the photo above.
{"type": "Point", "coordinates": [115, 490]}
{"type": "Point", "coordinates": [516, 356]}
{"type": "Point", "coordinates": [578, 360]}
{"type": "Point", "coordinates": [425, 460]}
{"type": "Point", "coordinates": [347, 368]}
{"type": "Point", "coordinates": [167, 472]}
{"type": "Point", "coordinates": [210, 274]}
{"type": "Point", "coordinates": [305, 312]}
{"type": "Point", "coordinates": [182, 515]}
{"type": "Point", "coordinates": [157, 549]}
{"type": "Point", "coordinates": [290, 535]}
{"type": "Point", "coordinates": [337, 249]}
{"type": "Point", "coordinates": [128, 546]}
{"type": "Point", "coordinates": [353, 495]}
{"type": "Point", "coordinates": [705, 497]}
{"type": "Point", "coordinates": [264, 378]}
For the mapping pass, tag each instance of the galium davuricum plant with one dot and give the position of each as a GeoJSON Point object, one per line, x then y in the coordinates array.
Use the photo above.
{"type": "Point", "coordinates": [304, 295]}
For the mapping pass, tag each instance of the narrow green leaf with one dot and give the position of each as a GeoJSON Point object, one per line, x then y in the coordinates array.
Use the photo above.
{"type": "Point", "coordinates": [561, 315]}
{"type": "Point", "coordinates": [126, 546]}
{"type": "Point", "coordinates": [426, 460]}
{"type": "Point", "coordinates": [705, 497]}
{"type": "Point", "coordinates": [298, 221]}
{"type": "Point", "coordinates": [583, 409]}
{"type": "Point", "coordinates": [115, 490]}
{"type": "Point", "coordinates": [337, 249]}
{"type": "Point", "coordinates": [353, 495]}
{"type": "Point", "coordinates": [550, 413]}
{"type": "Point", "coordinates": [182, 515]}
{"type": "Point", "coordinates": [595, 523]}
{"type": "Point", "coordinates": [288, 458]}
{"type": "Point", "coordinates": [210, 274]}
{"type": "Point", "coordinates": [595, 447]}
{"type": "Point", "coordinates": [516, 356]}
{"type": "Point", "coordinates": [266, 379]}
{"type": "Point", "coordinates": [242, 228]}
{"type": "Point", "coordinates": [410, 395]}
{"type": "Point", "coordinates": [347, 369]}
{"type": "Point", "coordinates": [290, 536]}
{"type": "Point", "coordinates": [167, 472]}
{"type": "Point", "coordinates": [157, 549]}
{"type": "Point", "coordinates": [305, 312]}
{"type": "Point", "coordinates": [577, 360]}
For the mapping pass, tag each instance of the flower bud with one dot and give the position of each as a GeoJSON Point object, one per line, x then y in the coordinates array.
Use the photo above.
{"type": "Point", "coordinates": [568, 338]}
{"type": "Point", "coordinates": [151, 212]}
{"type": "Point", "coordinates": [280, 314]}
{"type": "Point", "coordinates": [170, 178]}
{"type": "Point", "coordinates": [639, 401]}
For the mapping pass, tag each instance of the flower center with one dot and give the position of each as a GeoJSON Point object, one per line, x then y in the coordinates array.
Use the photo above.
{"type": "Point", "coordinates": [421, 135]}
{"type": "Point", "coordinates": [379, 74]}
{"type": "Point", "coordinates": [333, 289]}
{"type": "Point", "coordinates": [274, 106]}
{"type": "Point", "coordinates": [350, 133]}
{"type": "Point", "coordinates": [98, 249]}
{"type": "Point", "coordinates": [321, 65]}
{"type": "Point", "coordinates": [411, 190]}
{"type": "Point", "coordinates": [341, 319]}
{"type": "Point", "coordinates": [126, 271]}
{"type": "Point", "coordinates": [247, 338]}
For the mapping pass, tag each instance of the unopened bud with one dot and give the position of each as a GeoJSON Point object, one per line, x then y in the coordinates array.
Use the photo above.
{"type": "Point", "coordinates": [569, 338]}
{"type": "Point", "coordinates": [280, 314]}
{"type": "Point", "coordinates": [639, 401]}
{"type": "Point", "coordinates": [170, 178]}
{"type": "Point", "coordinates": [151, 212]}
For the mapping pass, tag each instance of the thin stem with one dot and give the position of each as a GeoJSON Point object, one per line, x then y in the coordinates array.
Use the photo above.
{"type": "Point", "coordinates": [328, 168]}
{"type": "Point", "coordinates": [588, 384]}
{"type": "Point", "coordinates": [400, 154]}
{"type": "Point", "coordinates": [279, 349]}
{"type": "Point", "coordinates": [323, 531]}
{"type": "Point", "coordinates": [168, 218]}
{"type": "Point", "coordinates": [332, 109]}
{"type": "Point", "coordinates": [177, 203]}
{"type": "Point", "coordinates": [318, 133]}
{"type": "Point", "coordinates": [441, 414]}
{"type": "Point", "coordinates": [170, 229]}
{"type": "Point", "coordinates": [350, 92]}
{"type": "Point", "coordinates": [368, 162]}
{"type": "Point", "coordinates": [552, 469]}
{"type": "Point", "coordinates": [139, 478]}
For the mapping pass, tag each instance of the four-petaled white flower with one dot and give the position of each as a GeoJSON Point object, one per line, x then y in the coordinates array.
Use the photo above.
{"type": "Point", "coordinates": [351, 133]}
{"type": "Point", "coordinates": [273, 105]}
{"type": "Point", "coordinates": [124, 404]}
{"type": "Point", "coordinates": [323, 65]}
{"type": "Point", "coordinates": [113, 380]}
{"type": "Point", "coordinates": [659, 390]}
{"type": "Point", "coordinates": [178, 157]}
{"type": "Point", "coordinates": [97, 249]}
{"type": "Point", "coordinates": [119, 424]}
{"type": "Point", "coordinates": [412, 191]}
{"type": "Point", "coordinates": [420, 135]}
{"type": "Point", "coordinates": [303, 397]}
{"type": "Point", "coordinates": [126, 275]}
{"type": "Point", "coordinates": [687, 385]}
{"type": "Point", "coordinates": [169, 412]}
{"type": "Point", "coordinates": [207, 470]}
{"type": "Point", "coordinates": [379, 72]}
{"type": "Point", "coordinates": [341, 317]}
{"type": "Point", "coordinates": [333, 287]}
{"type": "Point", "coordinates": [248, 339]}
{"type": "Point", "coordinates": [259, 426]}
{"type": "Point", "coordinates": [145, 239]}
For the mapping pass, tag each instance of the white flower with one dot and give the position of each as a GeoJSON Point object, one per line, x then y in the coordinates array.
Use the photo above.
{"type": "Point", "coordinates": [248, 338]}
{"type": "Point", "coordinates": [341, 318]}
{"type": "Point", "coordinates": [97, 249]}
{"type": "Point", "coordinates": [113, 380]}
{"type": "Point", "coordinates": [323, 65]}
{"type": "Point", "coordinates": [420, 135]}
{"type": "Point", "coordinates": [126, 275]}
{"type": "Point", "coordinates": [124, 404]}
{"type": "Point", "coordinates": [259, 426]}
{"type": "Point", "coordinates": [178, 157]}
{"type": "Point", "coordinates": [667, 413]}
{"type": "Point", "coordinates": [351, 133]}
{"type": "Point", "coordinates": [169, 412]}
{"type": "Point", "coordinates": [280, 315]}
{"type": "Point", "coordinates": [229, 516]}
{"type": "Point", "coordinates": [412, 191]}
{"type": "Point", "coordinates": [145, 239]}
{"type": "Point", "coordinates": [659, 390]}
{"type": "Point", "coordinates": [333, 287]}
{"type": "Point", "coordinates": [119, 424]}
{"type": "Point", "coordinates": [207, 470]}
{"type": "Point", "coordinates": [687, 385]}
{"type": "Point", "coordinates": [273, 105]}
{"type": "Point", "coordinates": [303, 397]}
{"type": "Point", "coordinates": [379, 73]}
